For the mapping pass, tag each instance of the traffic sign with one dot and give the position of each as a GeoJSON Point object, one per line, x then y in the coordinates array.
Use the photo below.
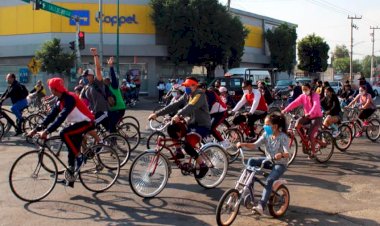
{"type": "Point", "coordinates": [56, 9]}
{"type": "Point", "coordinates": [34, 66]}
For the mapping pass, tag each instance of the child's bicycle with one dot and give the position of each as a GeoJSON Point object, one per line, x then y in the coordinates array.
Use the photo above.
{"type": "Point", "coordinates": [243, 193]}
{"type": "Point", "coordinates": [371, 126]}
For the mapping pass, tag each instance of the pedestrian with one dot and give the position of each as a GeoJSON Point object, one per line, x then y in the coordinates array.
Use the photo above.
{"type": "Point", "coordinates": [161, 90]}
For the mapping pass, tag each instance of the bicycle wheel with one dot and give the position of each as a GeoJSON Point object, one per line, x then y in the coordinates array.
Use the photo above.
{"type": "Point", "coordinates": [228, 207]}
{"type": "Point", "coordinates": [324, 146]}
{"type": "Point", "coordinates": [344, 139]}
{"type": "Point", "coordinates": [217, 161]}
{"type": "Point", "coordinates": [233, 136]}
{"type": "Point", "coordinates": [2, 130]}
{"type": "Point", "coordinates": [130, 119]}
{"type": "Point", "coordinates": [279, 202]}
{"type": "Point", "coordinates": [30, 123]}
{"type": "Point", "coordinates": [100, 169]}
{"type": "Point", "coordinates": [293, 149]}
{"type": "Point", "coordinates": [151, 142]}
{"type": "Point", "coordinates": [149, 174]}
{"type": "Point", "coordinates": [29, 178]}
{"type": "Point", "coordinates": [132, 133]}
{"type": "Point", "coordinates": [373, 130]}
{"type": "Point", "coordinates": [121, 145]}
{"type": "Point", "coordinates": [60, 151]}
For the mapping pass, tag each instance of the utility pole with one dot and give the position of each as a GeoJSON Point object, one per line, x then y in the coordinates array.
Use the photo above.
{"type": "Point", "coordinates": [77, 50]}
{"type": "Point", "coordinates": [373, 50]}
{"type": "Point", "coordinates": [352, 39]}
{"type": "Point", "coordinates": [100, 17]}
{"type": "Point", "coordinates": [228, 5]}
{"type": "Point", "coordinates": [117, 39]}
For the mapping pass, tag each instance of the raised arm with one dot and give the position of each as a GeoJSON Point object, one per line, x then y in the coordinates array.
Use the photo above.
{"type": "Point", "coordinates": [114, 81]}
{"type": "Point", "coordinates": [98, 67]}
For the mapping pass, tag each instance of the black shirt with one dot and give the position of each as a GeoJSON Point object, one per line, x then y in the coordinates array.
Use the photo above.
{"type": "Point", "coordinates": [15, 92]}
{"type": "Point", "coordinates": [332, 105]}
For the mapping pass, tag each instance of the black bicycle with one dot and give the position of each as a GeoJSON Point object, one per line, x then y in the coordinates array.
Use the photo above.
{"type": "Point", "coordinates": [34, 174]}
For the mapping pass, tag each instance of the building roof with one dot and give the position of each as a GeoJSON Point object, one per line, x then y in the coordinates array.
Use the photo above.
{"type": "Point", "coordinates": [265, 18]}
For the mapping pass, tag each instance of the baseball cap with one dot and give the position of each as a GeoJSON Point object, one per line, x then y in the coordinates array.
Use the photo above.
{"type": "Point", "coordinates": [88, 72]}
{"type": "Point", "coordinates": [57, 84]}
{"type": "Point", "coordinates": [190, 81]}
{"type": "Point", "coordinates": [222, 89]}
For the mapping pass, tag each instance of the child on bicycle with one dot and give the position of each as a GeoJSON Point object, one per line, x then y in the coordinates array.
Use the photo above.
{"type": "Point", "coordinates": [313, 114]}
{"type": "Point", "coordinates": [367, 106]}
{"type": "Point", "coordinates": [277, 147]}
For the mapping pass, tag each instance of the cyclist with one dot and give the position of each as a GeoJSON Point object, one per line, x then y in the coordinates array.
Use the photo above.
{"type": "Point", "coordinates": [277, 147]}
{"type": "Point", "coordinates": [226, 98]}
{"type": "Point", "coordinates": [73, 112]}
{"type": "Point", "coordinates": [218, 112]}
{"type": "Point", "coordinates": [294, 92]}
{"type": "Point", "coordinates": [312, 110]}
{"type": "Point", "coordinates": [367, 106]}
{"type": "Point", "coordinates": [116, 111]}
{"type": "Point", "coordinates": [332, 110]}
{"type": "Point", "coordinates": [194, 105]}
{"type": "Point", "coordinates": [39, 91]}
{"type": "Point", "coordinates": [18, 94]}
{"type": "Point", "coordinates": [258, 107]}
{"type": "Point", "coordinates": [95, 92]}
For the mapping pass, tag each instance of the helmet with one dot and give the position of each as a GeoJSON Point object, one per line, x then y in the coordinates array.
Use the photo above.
{"type": "Point", "coordinates": [222, 89]}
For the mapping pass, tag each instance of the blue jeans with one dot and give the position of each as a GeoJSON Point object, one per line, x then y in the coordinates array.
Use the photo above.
{"type": "Point", "coordinates": [18, 107]}
{"type": "Point", "coordinates": [277, 171]}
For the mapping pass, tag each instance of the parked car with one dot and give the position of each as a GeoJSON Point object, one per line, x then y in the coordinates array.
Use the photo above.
{"type": "Point", "coordinates": [376, 89]}
{"type": "Point", "coordinates": [336, 85]}
{"type": "Point", "coordinates": [282, 85]}
{"type": "Point", "coordinates": [303, 80]}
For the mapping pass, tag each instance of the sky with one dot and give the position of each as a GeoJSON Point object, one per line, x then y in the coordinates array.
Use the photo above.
{"type": "Point", "coordinates": [326, 18]}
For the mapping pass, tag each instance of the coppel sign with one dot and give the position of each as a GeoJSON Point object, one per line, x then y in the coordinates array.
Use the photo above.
{"type": "Point", "coordinates": [122, 20]}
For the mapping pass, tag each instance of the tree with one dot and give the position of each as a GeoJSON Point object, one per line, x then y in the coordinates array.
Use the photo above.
{"type": "Point", "coordinates": [313, 54]}
{"type": "Point", "coordinates": [199, 32]}
{"type": "Point", "coordinates": [282, 46]}
{"type": "Point", "coordinates": [341, 51]}
{"type": "Point", "coordinates": [342, 65]}
{"type": "Point", "coordinates": [53, 59]}
{"type": "Point", "coordinates": [366, 65]}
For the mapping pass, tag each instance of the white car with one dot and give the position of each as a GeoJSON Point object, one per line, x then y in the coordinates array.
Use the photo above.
{"type": "Point", "coordinates": [376, 89]}
{"type": "Point", "coordinates": [336, 86]}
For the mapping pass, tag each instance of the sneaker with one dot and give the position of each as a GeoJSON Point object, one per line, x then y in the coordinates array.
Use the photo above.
{"type": "Point", "coordinates": [359, 134]}
{"type": "Point", "coordinates": [203, 169]}
{"type": "Point", "coordinates": [225, 144]}
{"type": "Point", "coordinates": [258, 209]}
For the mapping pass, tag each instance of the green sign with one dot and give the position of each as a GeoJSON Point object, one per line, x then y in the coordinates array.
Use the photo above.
{"type": "Point", "coordinates": [56, 9]}
{"type": "Point", "coordinates": [27, 1]}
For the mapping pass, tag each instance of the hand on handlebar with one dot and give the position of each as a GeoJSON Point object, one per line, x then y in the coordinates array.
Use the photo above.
{"type": "Point", "coordinates": [238, 145]}
{"type": "Point", "coordinates": [31, 133]}
{"type": "Point", "coordinates": [42, 134]}
{"type": "Point", "coordinates": [176, 119]}
{"type": "Point", "coordinates": [152, 116]}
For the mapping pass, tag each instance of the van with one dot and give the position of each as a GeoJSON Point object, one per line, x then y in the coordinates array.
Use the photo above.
{"type": "Point", "coordinates": [253, 74]}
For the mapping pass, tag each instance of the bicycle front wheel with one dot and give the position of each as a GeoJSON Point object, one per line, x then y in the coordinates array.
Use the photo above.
{"type": "Point", "coordinates": [60, 151]}
{"type": "Point", "coordinates": [149, 174]}
{"type": "Point", "coordinates": [324, 146]}
{"type": "Point", "coordinates": [217, 161]}
{"type": "Point", "coordinates": [228, 207]}
{"type": "Point", "coordinates": [233, 136]}
{"type": "Point", "coordinates": [373, 130]}
{"type": "Point", "coordinates": [130, 119]}
{"type": "Point", "coordinates": [2, 130]}
{"type": "Point", "coordinates": [132, 133]}
{"type": "Point", "coordinates": [101, 168]}
{"type": "Point", "coordinates": [121, 145]}
{"type": "Point", "coordinates": [33, 176]}
{"type": "Point", "coordinates": [344, 139]}
{"type": "Point", "coordinates": [293, 149]}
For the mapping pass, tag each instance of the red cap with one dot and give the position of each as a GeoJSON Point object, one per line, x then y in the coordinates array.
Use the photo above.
{"type": "Point", "coordinates": [190, 82]}
{"type": "Point", "coordinates": [57, 84]}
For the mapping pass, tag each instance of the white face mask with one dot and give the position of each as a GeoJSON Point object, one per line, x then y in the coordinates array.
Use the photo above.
{"type": "Point", "coordinates": [291, 93]}
{"type": "Point", "coordinates": [174, 94]}
{"type": "Point", "coordinates": [246, 91]}
{"type": "Point", "coordinates": [306, 93]}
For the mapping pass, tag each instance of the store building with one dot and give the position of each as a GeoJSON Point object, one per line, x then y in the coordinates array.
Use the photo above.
{"type": "Point", "coordinates": [23, 30]}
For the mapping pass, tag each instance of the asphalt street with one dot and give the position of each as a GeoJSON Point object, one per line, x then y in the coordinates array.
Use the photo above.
{"type": "Point", "coordinates": [343, 191]}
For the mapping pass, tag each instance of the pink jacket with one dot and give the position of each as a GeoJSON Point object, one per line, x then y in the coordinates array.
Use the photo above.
{"type": "Point", "coordinates": [313, 108]}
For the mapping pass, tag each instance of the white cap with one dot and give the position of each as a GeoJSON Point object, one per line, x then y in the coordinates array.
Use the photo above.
{"type": "Point", "coordinates": [222, 89]}
{"type": "Point", "coordinates": [88, 72]}
{"type": "Point", "coordinates": [124, 80]}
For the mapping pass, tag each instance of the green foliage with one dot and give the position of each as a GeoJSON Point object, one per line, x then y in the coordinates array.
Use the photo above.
{"type": "Point", "coordinates": [313, 54]}
{"type": "Point", "coordinates": [341, 51]}
{"type": "Point", "coordinates": [53, 59]}
{"type": "Point", "coordinates": [342, 65]}
{"type": "Point", "coordinates": [199, 32]}
{"type": "Point", "coordinates": [282, 46]}
{"type": "Point", "coordinates": [366, 65]}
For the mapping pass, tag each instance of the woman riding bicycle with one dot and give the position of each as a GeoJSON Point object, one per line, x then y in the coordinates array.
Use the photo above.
{"type": "Point", "coordinates": [277, 147]}
{"type": "Point", "coordinates": [367, 106]}
{"type": "Point", "coordinates": [332, 110]}
{"type": "Point", "coordinates": [313, 113]}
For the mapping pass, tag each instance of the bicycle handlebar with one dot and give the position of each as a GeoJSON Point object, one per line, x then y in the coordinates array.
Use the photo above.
{"type": "Point", "coordinates": [267, 159]}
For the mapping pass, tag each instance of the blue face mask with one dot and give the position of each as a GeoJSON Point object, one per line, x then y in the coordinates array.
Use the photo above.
{"type": "Point", "coordinates": [188, 90]}
{"type": "Point", "coordinates": [85, 80]}
{"type": "Point", "coordinates": [268, 130]}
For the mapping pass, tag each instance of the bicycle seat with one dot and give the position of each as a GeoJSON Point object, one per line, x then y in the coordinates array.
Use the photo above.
{"type": "Point", "coordinates": [194, 139]}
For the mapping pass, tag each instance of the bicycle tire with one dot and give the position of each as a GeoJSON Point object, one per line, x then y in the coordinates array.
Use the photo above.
{"type": "Point", "coordinates": [273, 200]}
{"type": "Point", "coordinates": [30, 123]}
{"type": "Point", "coordinates": [213, 155]}
{"type": "Point", "coordinates": [132, 133]}
{"type": "Point", "coordinates": [59, 149]}
{"type": "Point", "coordinates": [234, 136]}
{"type": "Point", "coordinates": [121, 145]}
{"type": "Point", "coordinates": [139, 180]}
{"type": "Point", "coordinates": [293, 143]}
{"type": "Point", "coordinates": [102, 164]}
{"type": "Point", "coordinates": [341, 142]}
{"type": "Point", "coordinates": [373, 124]}
{"type": "Point", "coordinates": [324, 138]}
{"type": "Point", "coordinates": [130, 119]}
{"type": "Point", "coordinates": [16, 190]}
{"type": "Point", "coordinates": [2, 130]}
{"type": "Point", "coordinates": [221, 207]}
{"type": "Point", "coordinates": [151, 142]}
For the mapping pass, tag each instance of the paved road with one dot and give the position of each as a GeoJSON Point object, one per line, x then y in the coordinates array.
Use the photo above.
{"type": "Point", "coordinates": [342, 192]}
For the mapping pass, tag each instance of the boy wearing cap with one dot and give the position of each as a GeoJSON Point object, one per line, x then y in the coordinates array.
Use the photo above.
{"type": "Point", "coordinates": [71, 110]}
{"type": "Point", "coordinates": [193, 105]}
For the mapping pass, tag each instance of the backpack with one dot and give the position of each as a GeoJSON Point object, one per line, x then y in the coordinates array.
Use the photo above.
{"type": "Point", "coordinates": [267, 96]}
{"type": "Point", "coordinates": [24, 91]}
{"type": "Point", "coordinates": [110, 98]}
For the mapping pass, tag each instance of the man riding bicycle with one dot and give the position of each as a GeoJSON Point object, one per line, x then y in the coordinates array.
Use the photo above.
{"type": "Point", "coordinates": [258, 107]}
{"type": "Point", "coordinates": [192, 104]}
{"type": "Point", "coordinates": [18, 94]}
{"type": "Point", "coordinates": [72, 111]}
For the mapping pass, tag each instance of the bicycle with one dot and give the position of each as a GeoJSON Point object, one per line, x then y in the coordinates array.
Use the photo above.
{"type": "Point", "coordinates": [322, 141]}
{"type": "Point", "coordinates": [371, 128]}
{"type": "Point", "coordinates": [6, 122]}
{"type": "Point", "coordinates": [150, 170]}
{"type": "Point", "coordinates": [99, 170]}
{"type": "Point", "coordinates": [343, 136]}
{"type": "Point", "coordinates": [244, 193]}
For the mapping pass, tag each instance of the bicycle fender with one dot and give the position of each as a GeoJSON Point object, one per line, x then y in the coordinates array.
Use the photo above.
{"type": "Point", "coordinates": [278, 183]}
